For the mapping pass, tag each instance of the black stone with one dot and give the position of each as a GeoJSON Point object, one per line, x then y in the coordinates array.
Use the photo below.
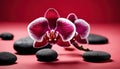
{"type": "Point", "coordinates": [7, 58]}
{"type": "Point", "coordinates": [46, 55]}
{"type": "Point", "coordinates": [96, 56]}
{"type": "Point", "coordinates": [6, 36]}
{"type": "Point", "coordinates": [97, 39]}
{"type": "Point", "coordinates": [25, 46]}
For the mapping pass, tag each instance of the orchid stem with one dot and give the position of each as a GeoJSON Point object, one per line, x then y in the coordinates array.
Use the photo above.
{"type": "Point", "coordinates": [79, 47]}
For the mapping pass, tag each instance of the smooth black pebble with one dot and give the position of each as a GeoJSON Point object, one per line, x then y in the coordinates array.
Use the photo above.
{"type": "Point", "coordinates": [96, 56]}
{"type": "Point", "coordinates": [25, 46]}
{"type": "Point", "coordinates": [6, 36]}
{"type": "Point", "coordinates": [97, 39]}
{"type": "Point", "coordinates": [7, 58]}
{"type": "Point", "coordinates": [46, 55]}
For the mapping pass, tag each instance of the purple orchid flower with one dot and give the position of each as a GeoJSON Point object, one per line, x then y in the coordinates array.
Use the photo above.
{"type": "Point", "coordinates": [51, 29]}
{"type": "Point", "coordinates": [82, 28]}
{"type": "Point", "coordinates": [63, 31]}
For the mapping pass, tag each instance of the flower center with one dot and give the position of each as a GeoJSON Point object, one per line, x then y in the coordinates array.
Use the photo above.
{"type": "Point", "coordinates": [52, 36]}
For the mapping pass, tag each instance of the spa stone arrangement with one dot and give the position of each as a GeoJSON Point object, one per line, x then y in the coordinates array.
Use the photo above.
{"type": "Point", "coordinates": [52, 29]}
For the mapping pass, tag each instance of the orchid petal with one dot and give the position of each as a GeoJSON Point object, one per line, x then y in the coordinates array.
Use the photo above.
{"type": "Point", "coordinates": [66, 29]}
{"type": "Point", "coordinates": [82, 28]}
{"type": "Point", "coordinates": [60, 42]}
{"type": "Point", "coordinates": [81, 41]}
{"type": "Point", "coordinates": [37, 44]}
{"type": "Point", "coordinates": [72, 17]}
{"type": "Point", "coordinates": [38, 28]}
{"type": "Point", "coordinates": [52, 16]}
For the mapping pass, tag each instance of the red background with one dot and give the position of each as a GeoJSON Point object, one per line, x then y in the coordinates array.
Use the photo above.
{"type": "Point", "coordinates": [90, 10]}
{"type": "Point", "coordinates": [102, 15]}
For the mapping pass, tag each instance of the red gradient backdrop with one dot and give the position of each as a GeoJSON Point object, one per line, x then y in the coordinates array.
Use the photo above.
{"type": "Point", "coordinates": [90, 10]}
{"type": "Point", "coordinates": [103, 16]}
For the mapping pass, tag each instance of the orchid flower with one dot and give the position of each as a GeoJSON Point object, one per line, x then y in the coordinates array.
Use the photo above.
{"type": "Point", "coordinates": [82, 29]}
{"type": "Point", "coordinates": [53, 29]}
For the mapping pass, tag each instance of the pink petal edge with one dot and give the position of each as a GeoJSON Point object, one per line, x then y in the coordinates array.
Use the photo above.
{"type": "Point", "coordinates": [82, 28]}
{"type": "Point", "coordinates": [37, 29]}
{"type": "Point", "coordinates": [66, 29]}
{"type": "Point", "coordinates": [43, 43]}
{"type": "Point", "coordinates": [72, 17]}
{"type": "Point", "coordinates": [52, 15]}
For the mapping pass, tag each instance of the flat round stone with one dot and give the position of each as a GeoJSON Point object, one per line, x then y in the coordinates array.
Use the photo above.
{"type": "Point", "coordinates": [7, 58]}
{"type": "Point", "coordinates": [95, 56]}
{"type": "Point", "coordinates": [6, 36]}
{"type": "Point", "coordinates": [25, 46]}
{"type": "Point", "coordinates": [46, 55]}
{"type": "Point", "coordinates": [97, 39]}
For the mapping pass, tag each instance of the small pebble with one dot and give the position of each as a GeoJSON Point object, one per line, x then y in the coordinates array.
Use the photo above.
{"type": "Point", "coordinates": [6, 36]}
{"type": "Point", "coordinates": [96, 56]}
{"type": "Point", "coordinates": [97, 39]}
{"type": "Point", "coordinates": [46, 55]}
{"type": "Point", "coordinates": [7, 58]}
{"type": "Point", "coordinates": [25, 46]}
